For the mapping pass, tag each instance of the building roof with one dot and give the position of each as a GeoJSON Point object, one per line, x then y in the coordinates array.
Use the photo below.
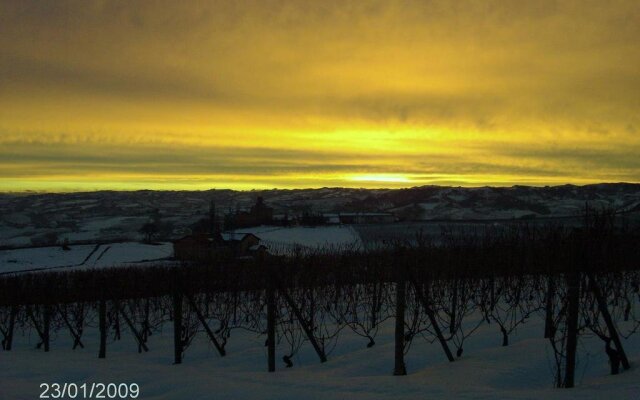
{"type": "Point", "coordinates": [228, 236]}
{"type": "Point", "coordinates": [363, 214]}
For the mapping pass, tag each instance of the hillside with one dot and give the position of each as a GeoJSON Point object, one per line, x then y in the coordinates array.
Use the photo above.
{"type": "Point", "coordinates": [27, 219]}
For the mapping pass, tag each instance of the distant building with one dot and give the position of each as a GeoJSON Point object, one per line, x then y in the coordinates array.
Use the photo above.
{"type": "Point", "coordinates": [243, 243]}
{"type": "Point", "coordinates": [332, 219]}
{"type": "Point", "coordinates": [359, 218]}
{"type": "Point", "coordinates": [197, 247]}
{"type": "Point", "coordinates": [205, 247]}
{"type": "Point", "coordinates": [260, 214]}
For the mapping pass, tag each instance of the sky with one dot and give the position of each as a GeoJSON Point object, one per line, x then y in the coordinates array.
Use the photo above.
{"type": "Point", "coordinates": [296, 94]}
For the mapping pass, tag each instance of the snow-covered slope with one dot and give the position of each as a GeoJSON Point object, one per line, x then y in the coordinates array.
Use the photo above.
{"type": "Point", "coordinates": [43, 257]}
{"type": "Point", "coordinates": [114, 216]}
{"type": "Point", "coordinates": [485, 371]}
{"type": "Point", "coordinates": [321, 237]}
{"type": "Point", "coordinates": [82, 256]}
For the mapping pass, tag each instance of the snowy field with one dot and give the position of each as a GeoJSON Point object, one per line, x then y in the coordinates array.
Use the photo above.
{"type": "Point", "coordinates": [485, 371]}
{"type": "Point", "coordinates": [128, 253]}
{"type": "Point", "coordinates": [321, 237]}
{"type": "Point", "coordinates": [88, 229]}
{"type": "Point", "coordinates": [82, 256]}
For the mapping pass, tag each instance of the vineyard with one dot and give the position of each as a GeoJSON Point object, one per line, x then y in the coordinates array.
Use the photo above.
{"type": "Point", "coordinates": [579, 281]}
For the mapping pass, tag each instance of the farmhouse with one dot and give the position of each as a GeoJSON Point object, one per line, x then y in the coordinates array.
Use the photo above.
{"type": "Point", "coordinates": [359, 218]}
{"type": "Point", "coordinates": [260, 214]}
{"type": "Point", "coordinates": [204, 247]}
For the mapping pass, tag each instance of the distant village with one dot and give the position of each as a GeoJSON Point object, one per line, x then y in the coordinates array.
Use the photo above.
{"type": "Point", "coordinates": [261, 214]}
{"type": "Point", "coordinates": [213, 237]}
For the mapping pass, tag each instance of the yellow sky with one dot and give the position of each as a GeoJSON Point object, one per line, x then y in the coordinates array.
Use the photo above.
{"type": "Point", "coordinates": [262, 94]}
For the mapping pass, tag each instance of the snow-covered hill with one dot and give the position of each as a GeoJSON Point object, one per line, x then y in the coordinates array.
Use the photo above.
{"type": "Point", "coordinates": [109, 216]}
{"type": "Point", "coordinates": [82, 256]}
{"type": "Point", "coordinates": [284, 240]}
{"type": "Point", "coordinates": [485, 371]}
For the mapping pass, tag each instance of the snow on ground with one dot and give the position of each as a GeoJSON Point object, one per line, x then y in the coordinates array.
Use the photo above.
{"type": "Point", "coordinates": [98, 224]}
{"type": "Point", "coordinates": [82, 256]}
{"type": "Point", "coordinates": [130, 252]}
{"type": "Point", "coordinates": [485, 371]}
{"type": "Point", "coordinates": [42, 257]}
{"type": "Point", "coordinates": [310, 237]}
{"type": "Point", "coordinates": [100, 228]}
{"type": "Point", "coordinates": [110, 227]}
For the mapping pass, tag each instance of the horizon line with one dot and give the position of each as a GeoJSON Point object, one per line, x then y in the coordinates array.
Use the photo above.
{"type": "Point", "coordinates": [470, 186]}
